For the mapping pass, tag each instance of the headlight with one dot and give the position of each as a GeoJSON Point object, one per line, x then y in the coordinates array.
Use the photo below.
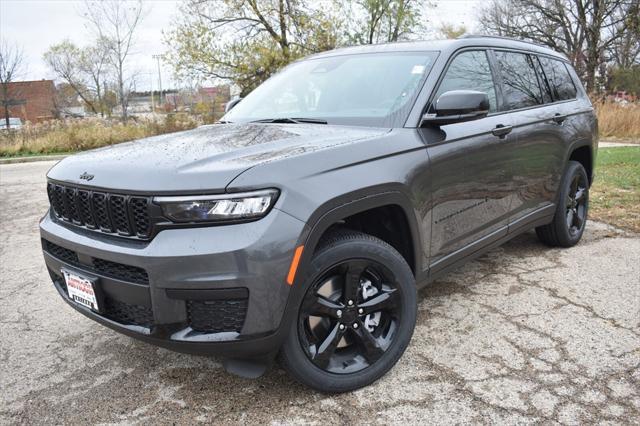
{"type": "Point", "coordinates": [218, 208]}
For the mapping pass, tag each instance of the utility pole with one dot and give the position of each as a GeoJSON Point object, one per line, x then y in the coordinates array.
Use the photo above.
{"type": "Point", "coordinates": [153, 104]}
{"type": "Point", "coordinates": [157, 58]}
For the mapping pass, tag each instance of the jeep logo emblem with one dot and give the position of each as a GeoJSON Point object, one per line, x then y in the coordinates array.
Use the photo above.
{"type": "Point", "coordinates": [86, 176]}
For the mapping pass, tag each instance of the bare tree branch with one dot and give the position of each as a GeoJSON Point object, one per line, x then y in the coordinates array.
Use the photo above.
{"type": "Point", "coordinates": [11, 67]}
{"type": "Point", "coordinates": [115, 23]}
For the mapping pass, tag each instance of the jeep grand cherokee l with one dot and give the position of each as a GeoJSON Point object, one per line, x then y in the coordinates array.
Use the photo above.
{"type": "Point", "coordinates": [302, 225]}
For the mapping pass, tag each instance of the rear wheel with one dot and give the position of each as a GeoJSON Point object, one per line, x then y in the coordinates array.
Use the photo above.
{"type": "Point", "coordinates": [357, 316]}
{"type": "Point", "coordinates": [571, 213]}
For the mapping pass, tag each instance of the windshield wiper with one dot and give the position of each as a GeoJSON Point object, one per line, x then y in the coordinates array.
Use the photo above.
{"type": "Point", "coordinates": [291, 120]}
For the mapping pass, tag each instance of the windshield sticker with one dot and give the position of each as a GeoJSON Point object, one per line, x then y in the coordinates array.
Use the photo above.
{"type": "Point", "coordinates": [418, 69]}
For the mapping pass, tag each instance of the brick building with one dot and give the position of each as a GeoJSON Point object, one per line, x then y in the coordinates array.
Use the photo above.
{"type": "Point", "coordinates": [31, 100]}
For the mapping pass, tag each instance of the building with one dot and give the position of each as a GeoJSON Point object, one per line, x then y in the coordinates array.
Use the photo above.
{"type": "Point", "coordinates": [30, 100]}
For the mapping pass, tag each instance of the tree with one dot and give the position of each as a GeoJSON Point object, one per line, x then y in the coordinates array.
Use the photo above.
{"type": "Point", "coordinates": [65, 59]}
{"type": "Point", "coordinates": [452, 31]}
{"type": "Point", "coordinates": [382, 21]}
{"type": "Point", "coordinates": [11, 62]}
{"type": "Point", "coordinates": [83, 70]}
{"type": "Point", "coordinates": [625, 79]}
{"type": "Point", "coordinates": [66, 98]}
{"type": "Point", "coordinates": [93, 63]}
{"type": "Point", "coordinates": [625, 52]}
{"type": "Point", "coordinates": [245, 41]}
{"type": "Point", "coordinates": [584, 30]}
{"type": "Point", "coordinates": [115, 23]}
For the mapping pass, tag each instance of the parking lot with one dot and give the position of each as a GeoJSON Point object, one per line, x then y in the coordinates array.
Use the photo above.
{"type": "Point", "coordinates": [524, 334]}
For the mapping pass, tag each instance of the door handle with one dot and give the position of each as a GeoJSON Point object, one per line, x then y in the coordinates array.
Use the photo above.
{"type": "Point", "coordinates": [559, 118]}
{"type": "Point", "coordinates": [501, 131]}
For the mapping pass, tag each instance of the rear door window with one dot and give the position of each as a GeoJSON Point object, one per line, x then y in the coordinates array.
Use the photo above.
{"type": "Point", "coordinates": [547, 97]}
{"type": "Point", "coordinates": [559, 79]}
{"type": "Point", "coordinates": [469, 70]}
{"type": "Point", "coordinates": [519, 81]}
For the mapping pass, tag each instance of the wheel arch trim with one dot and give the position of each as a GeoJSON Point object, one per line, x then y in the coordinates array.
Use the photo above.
{"type": "Point", "coordinates": [351, 204]}
{"type": "Point", "coordinates": [582, 143]}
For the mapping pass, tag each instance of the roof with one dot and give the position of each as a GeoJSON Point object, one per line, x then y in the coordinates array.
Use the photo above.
{"type": "Point", "coordinates": [444, 46]}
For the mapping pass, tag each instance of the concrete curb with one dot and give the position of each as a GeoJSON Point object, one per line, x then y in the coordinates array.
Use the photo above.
{"type": "Point", "coordinates": [607, 144]}
{"type": "Point", "coordinates": [13, 160]}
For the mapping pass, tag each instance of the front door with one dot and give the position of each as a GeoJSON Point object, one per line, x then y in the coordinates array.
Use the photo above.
{"type": "Point", "coordinates": [470, 167]}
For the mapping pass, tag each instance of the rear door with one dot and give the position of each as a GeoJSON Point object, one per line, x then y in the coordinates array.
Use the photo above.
{"type": "Point", "coordinates": [538, 138]}
{"type": "Point", "coordinates": [470, 172]}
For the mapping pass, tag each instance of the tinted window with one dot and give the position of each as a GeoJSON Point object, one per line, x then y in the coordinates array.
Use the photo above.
{"type": "Point", "coordinates": [544, 84]}
{"type": "Point", "coordinates": [519, 80]}
{"type": "Point", "coordinates": [470, 71]}
{"type": "Point", "coordinates": [559, 79]}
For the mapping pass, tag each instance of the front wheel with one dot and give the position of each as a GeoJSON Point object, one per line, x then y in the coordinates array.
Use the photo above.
{"type": "Point", "coordinates": [571, 213]}
{"type": "Point", "coordinates": [357, 316]}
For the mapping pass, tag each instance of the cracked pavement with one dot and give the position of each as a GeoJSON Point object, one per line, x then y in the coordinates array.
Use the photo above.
{"type": "Point", "coordinates": [525, 334]}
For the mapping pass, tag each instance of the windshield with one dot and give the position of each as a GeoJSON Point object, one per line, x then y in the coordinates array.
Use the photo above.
{"type": "Point", "coordinates": [375, 89]}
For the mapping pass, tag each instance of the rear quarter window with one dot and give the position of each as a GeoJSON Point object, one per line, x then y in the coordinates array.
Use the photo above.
{"type": "Point", "coordinates": [560, 82]}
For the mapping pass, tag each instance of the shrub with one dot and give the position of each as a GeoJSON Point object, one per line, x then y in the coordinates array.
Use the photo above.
{"type": "Point", "coordinates": [619, 121]}
{"type": "Point", "coordinates": [70, 135]}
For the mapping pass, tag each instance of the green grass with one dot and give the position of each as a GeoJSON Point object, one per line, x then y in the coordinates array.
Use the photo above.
{"type": "Point", "coordinates": [615, 195]}
{"type": "Point", "coordinates": [35, 154]}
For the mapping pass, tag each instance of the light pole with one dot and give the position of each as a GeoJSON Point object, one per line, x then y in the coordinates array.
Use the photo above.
{"type": "Point", "coordinates": [157, 58]}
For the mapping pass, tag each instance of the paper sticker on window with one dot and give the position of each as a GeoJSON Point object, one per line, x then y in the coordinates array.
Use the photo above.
{"type": "Point", "coordinates": [418, 69]}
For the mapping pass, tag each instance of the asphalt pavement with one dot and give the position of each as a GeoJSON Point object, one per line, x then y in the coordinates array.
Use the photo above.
{"type": "Point", "coordinates": [525, 334]}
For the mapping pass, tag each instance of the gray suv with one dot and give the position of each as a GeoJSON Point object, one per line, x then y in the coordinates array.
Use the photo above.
{"type": "Point", "coordinates": [302, 225]}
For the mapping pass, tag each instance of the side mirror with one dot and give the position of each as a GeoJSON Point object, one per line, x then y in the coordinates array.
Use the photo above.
{"type": "Point", "coordinates": [229, 106]}
{"type": "Point", "coordinates": [457, 106]}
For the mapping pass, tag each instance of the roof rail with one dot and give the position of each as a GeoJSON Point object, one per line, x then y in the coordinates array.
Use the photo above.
{"type": "Point", "coordinates": [468, 35]}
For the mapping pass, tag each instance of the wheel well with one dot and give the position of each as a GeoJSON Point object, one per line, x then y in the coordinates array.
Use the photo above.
{"type": "Point", "coordinates": [389, 223]}
{"type": "Point", "coordinates": [583, 156]}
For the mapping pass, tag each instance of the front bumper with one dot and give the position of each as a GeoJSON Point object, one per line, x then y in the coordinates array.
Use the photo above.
{"type": "Point", "coordinates": [205, 290]}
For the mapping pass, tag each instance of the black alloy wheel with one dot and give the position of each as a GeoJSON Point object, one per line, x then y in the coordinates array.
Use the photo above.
{"type": "Point", "coordinates": [349, 317]}
{"type": "Point", "coordinates": [576, 204]}
{"type": "Point", "coordinates": [356, 315]}
{"type": "Point", "coordinates": [570, 218]}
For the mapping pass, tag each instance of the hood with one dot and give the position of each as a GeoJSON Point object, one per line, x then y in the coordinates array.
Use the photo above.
{"type": "Point", "coordinates": [205, 159]}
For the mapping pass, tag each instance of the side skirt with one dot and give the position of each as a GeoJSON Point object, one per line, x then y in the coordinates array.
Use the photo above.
{"type": "Point", "coordinates": [476, 249]}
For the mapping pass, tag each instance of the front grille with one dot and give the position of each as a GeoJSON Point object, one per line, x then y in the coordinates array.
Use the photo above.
{"type": "Point", "coordinates": [61, 253]}
{"type": "Point", "coordinates": [127, 314]}
{"type": "Point", "coordinates": [110, 213]}
{"type": "Point", "coordinates": [216, 316]}
{"type": "Point", "coordinates": [122, 272]}
{"type": "Point", "coordinates": [103, 267]}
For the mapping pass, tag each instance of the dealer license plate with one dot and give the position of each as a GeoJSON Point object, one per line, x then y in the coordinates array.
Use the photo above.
{"type": "Point", "coordinates": [81, 290]}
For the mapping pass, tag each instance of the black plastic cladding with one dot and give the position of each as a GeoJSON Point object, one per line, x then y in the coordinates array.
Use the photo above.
{"type": "Point", "coordinates": [107, 268]}
{"type": "Point", "coordinates": [116, 214]}
{"type": "Point", "coordinates": [128, 314]}
{"type": "Point", "coordinates": [215, 316]}
{"type": "Point", "coordinates": [120, 312]}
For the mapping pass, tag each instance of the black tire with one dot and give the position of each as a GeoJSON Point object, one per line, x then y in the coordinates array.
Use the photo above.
{"type": "Point", "coordinates": [570, 218]}
{"type": "Point", "coordinates": [371, 342]}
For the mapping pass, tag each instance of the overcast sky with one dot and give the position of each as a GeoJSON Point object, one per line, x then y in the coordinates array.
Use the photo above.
{"type": "Point", "coordinates": [37, 24]}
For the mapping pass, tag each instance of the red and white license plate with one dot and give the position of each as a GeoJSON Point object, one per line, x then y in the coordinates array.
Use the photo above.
{"type": "Point", "coordinates": [80, 290]}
